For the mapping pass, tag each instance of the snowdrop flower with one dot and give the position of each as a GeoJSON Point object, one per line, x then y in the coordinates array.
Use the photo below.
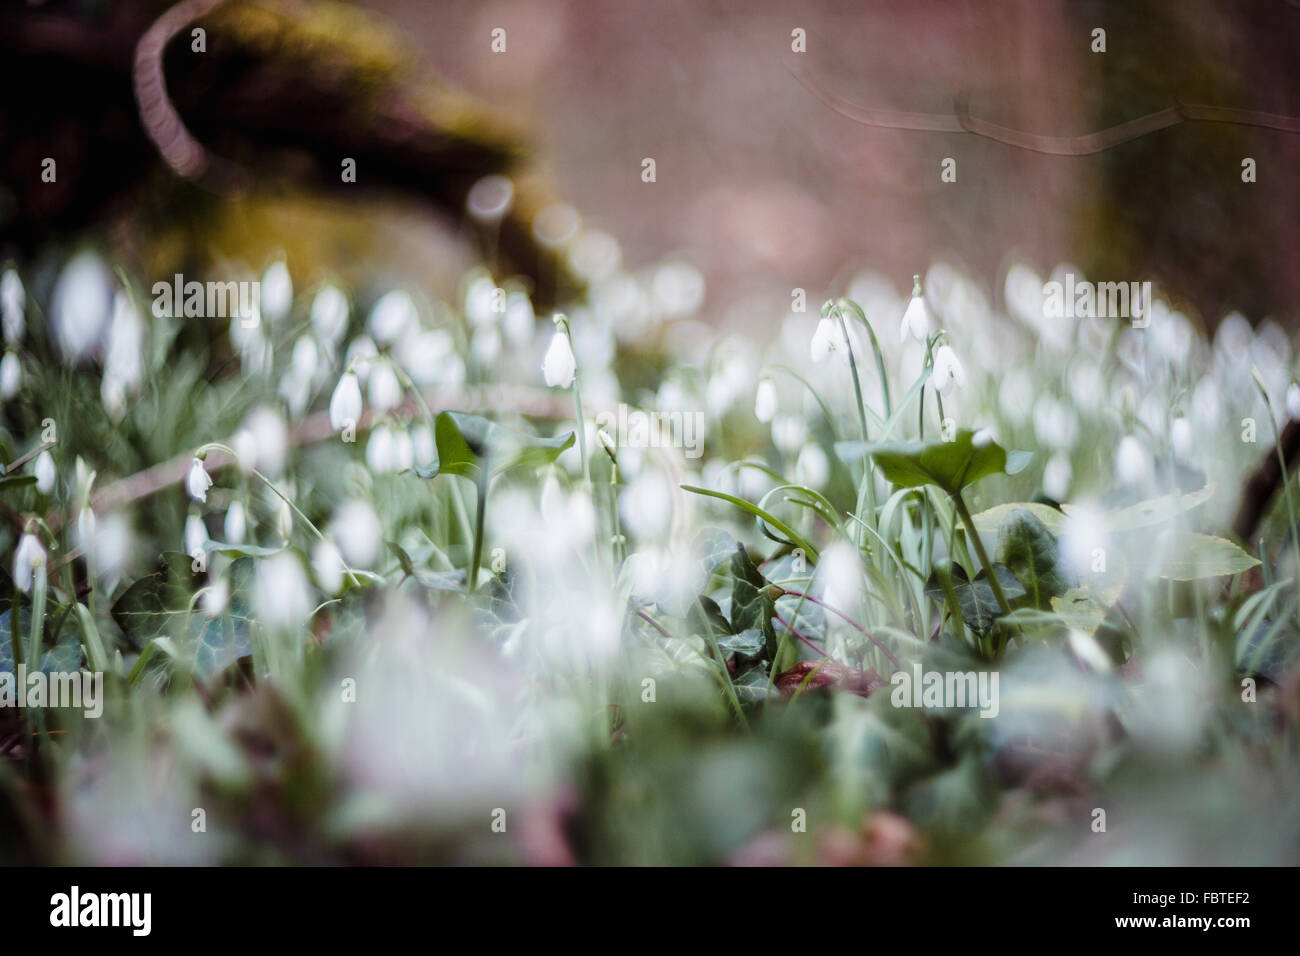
{"type": "Point", "coordinates": [281, 594]}
{"type": "Point", "coordinates": [196, 535]}
{"type": "Point", "coordinates": [765, 401]}
{"type": "Point", "coordinates": [327, 564]}
{"type": "Point", "coordinates": [485, 346]}
{"type": "Point", "coordinates": [277, 291]}
{"type": "Point", "coordinates": [520, 322]}
{"type": "Point", "coordinates": [1293, 400]}
{"type": "Point", "coordinates": [947, 371]}
{"type": "Point", "coordinates": [1083, 540]}
{"type": "Point", "coordinates": [812, 467]}
{"type": "Point", "coordinates": [647, 506]}
{"type": "Point", "coordinates": [1056, 476]}
{"type": "Point", "coordinates": [361, 354]}
{"type": "Point", "coordinates": [840, 573]}
{"type": "Point", "coordinates": [827, 339]}
{"type": "Point", "coordinates": [391, 316]}
{"type": "Point", "coordinates": [11, 376]}
{"type": "Point", "coordinates": [559, 366]}
{"type": "Point", "coordinates": [112, 542]}
{"type": "Point", "coordinates": [81, 305]}
{"type": "Point", "coordinates": [1180, 436]}
{"type": "Point", "coordinates": [29, 559]}
{"type": "Point", "coordinates": [284, 520]}
{"type": "Point", "coordinates": [345, 403]}
{"type": "Point", "coordinates": [384, 390]}
{"type": "Point", "coordinates": [788, 433]}
{"type": "Point", "coordinates": [198, 481]}
{"type": "Point", "coordinates": [1132, 463]}
{"type": "Point", "coordinates": [13, 305]}
{"type": "Point", "coordinates": [215, 598]}
{"type": "Point", "coordinates": [358, 531]}
{"type": "Point", "coordinates": [382, 453]}
{"type": "Point", "coordinates": [916, 318]}
{"type": "Point", "coordinates": [329, 314]}
{"type": "Point", "coordinates": [1055, 423]}
{"type": "Point", "coordinates": [270, 438]}
{"type": "Point", "coordinates": [236, 522]}
{"type": "Point", "coordinates": [45, 472]}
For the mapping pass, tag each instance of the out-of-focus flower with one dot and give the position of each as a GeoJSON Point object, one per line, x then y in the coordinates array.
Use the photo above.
{"type": "Point", "coordinates": [812, 467]}
{"type": "Point", "coordinates": [283, 520]}
{"type": "Point", "coordinates": [196, 535]}
{"type": "Point", "coordinates": [327, 564]}
{"type": "Point", "coordinates": [647, 505]}
{"type": "Point", "coordinates": [81, 305]}
{"type": "Point", "coordinates": [1056, 476]}
{"type": "Point", "coordinates": [1132, 461]}
{"type": "Point", "coordinates": [1180, 436]}
{"type": "Point", "coordinates": [948, 371]}
{"type": "Point", "coordinates": [519, 322]}
{"type": "Point", "coordinates": [29, 559]}
{"type": "Point", "coordinates": [236, 522]}
{"type": "Point", "coordinates": [198, 481]}
{"type": "Point", "coordinates": [765, 401]}
{"type": "Point", "coordinates": [391, 316]}
{"type": "Point", "coordinates": [277, 291]}
{"type": "Point", "coordinates": [358, 532]}
{"type": "Point", "coordinates": [384, 390]}
{"type": "Point", "coordinates": [1293, 400]}
{"type": "Point", "coordinates": [268, 439]}
{"type": "Point", "coordinates": [329, 314]}
{"type": "Point", "coordinates": [215, 598]}
{"type": "Point", "coordinates": [789, 433]}
{"type": "Point", "coordinates": [827, 339]}
{"type": "Point", "coordinates": [11, 376]}
{"type": "Point", "coordinates": [1055, 423]}
{"type": "Point", "coordinates": [559, 366]}
{"type": "Point", "coordinates": [13, 305]}
{"type": "Point", "coordinates": [281, 595]}
{"type": "Point", "coordinates": [840, 572]}
{"type": "Point", "coordinates": [360, 356]}
{"type": "Point", "coordinates": [345, 403]}
{"type": "Point", "coordinates": [46, 474]}
{"type": "Point", "coordinates": [916, 318]}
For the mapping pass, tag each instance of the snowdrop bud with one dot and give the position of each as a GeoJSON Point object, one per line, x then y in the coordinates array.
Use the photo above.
{"type": "Point", "coordinates": [86, 529]}
{"type": "Point", "coordinates": [916, 318]}
{"type": "Point", "coordinates": [327, 565]}
{"type": "Point", "coordinates": [812, 467]}
{"type": "Point", "coordinates": [281, 596]}
{"type": "Point", "coordinates": [13, 305]}
{"type": "Point", "coordinates": [520, 322]}
{"type": "Point", "coordinates": [236, 522]}
{"type": "Point", "coordinates": [196, 534]}
{"type": "Point", "coordinates": [840, 572]}
{"type": "Point", "coordinates": [358, 531]}
{"type": "Point", "coordinates": [826, 339]}
{"type": "Point", "coordinates": [384, 389]}
{"type": "Point", "coordinates": [284, 520]}
{"type": "Point", "coordinates": [765, 401]}
{"type": "Point", "coordinates": [361, 354]}
{"type": "Point", "coordinates": [277, 291]}
{"type": "Point", "coordinates": [329, 314]}
{"type": "Point", "coordinates": [1132, 463]}
{"type": "Point", "coordinates": [391, 316]}
{"type": "Point", "coordinates": [29, 559]}
{"type": "Point", "coordinates": [215, 598]}
{"type": "Point", "coordinates": [81, 305]}
{"type": "Point", "coordinates": [345, 403]}
{"type": "Point", "coordinates": [788, 433]}
{"type": "Point", "coordinates": [45, 472]}
{"type": "Point", "coordinates": [559, 366]}
{"type": "Point", "coordinates": [982, 438]}
{"type": "Point", "coordinates": [11, 376]}
{"type": "Point", "coordinates": [381, 453]}
{"type": "Point", "coordinates": [947, 371]}
{"type": "Point", "coordinates": [270, 438]}
{"type": "Point", "coordinates": [198, 481]}
{"type": "Point", "coordinates": [1056, 477]}
{"type": "Point", "coordinates": [1180, 436]}
{"type": "Point", "coordinates": [1293, 400]}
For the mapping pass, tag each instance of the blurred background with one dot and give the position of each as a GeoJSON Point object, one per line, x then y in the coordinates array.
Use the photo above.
{"type": "Point", "coordinates": [759, 183]}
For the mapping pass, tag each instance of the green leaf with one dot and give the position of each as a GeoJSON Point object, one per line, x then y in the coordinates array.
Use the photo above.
{"type": "Point", "coordinates": [765, 519]}
{"type": "Point", "coordinates": [979, 605]}
{"type": "Point", "coordinates": [14, 482]}
{"type": "Point", "coordinates": [1189, 557]}
{"type": "Point", "coordinates": [66, 656]}
{"type": "Point", "coordinates": [145, 609]}
{"type": "Point", "coordinates": [951, 465]}
{"type": "Point", "coordinates": [469, 444]}
{"type": "Point", "coordinates": [748, 643]}
{"type": "Point", "coordinates": [1029, 550]}
{"type": "Point", "coordinates": [752, 600]}
{"type": "Point", "coordinates": [990, 521]}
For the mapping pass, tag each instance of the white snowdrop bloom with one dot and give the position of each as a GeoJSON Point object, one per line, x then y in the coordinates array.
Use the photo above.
{"type": "Point", "coordinates": [381, 450]}
{"type": "Point", "coordinates": [1084, 378]}
{"type": "Point", "coordinates": [277, 291]}
{"type": "Point", "coordinates": [1087, 649]}
{"type": "Point", "coordinates": [1293, 400]}
{"type": "Point", "coordinates": [391, 316]}
{"type": "Point", "coordinates": [765, 401]}
{"type": "Point", "coordinates": [124, 359]}
{"type": "Point", "coordinates": [196, 535]}
{"type": "Point", "coordinates": [1055, 423]}
{"type": "Point", "coordinates": [788, 433]}
{"type": "Point", "coordinates": [11, 376]}
{"type": "Point", "coordinates": [1083, 541]}
{"type": "Point", "coordinates": [46, 474]}
{"type": "Point", "coordinates": [1132, 461]}
{"type": "Point", "coordinates": [948, 371]}
{"type": "Point", "coordinates": [422, 444]}
{"type": "Point", "coordinates": [345, 403]}
{"type": "Point", "coordinates": [245, 447]}
{"type": "Point", "coordinates": [215, 597]}
{"type": "Point", "coordinates": [1057, 475]}
{"type": "Point", "coordinates": [841, 576]}
{"type": "Point", "coordinates": [1023, 292]}
{"type": "Point", "coordinates": [305, 359]}
{"type": "Point", "coordinates": [600, 630]}
{"type": "Point", "coordinates": [982, 438]}
{"type": "Point", "coordinates": [647, 506]}
{"type": "Point", "coordinates": [327, 565]}
{"type": "Point", "coordinates": [1233, 337]}
{"type": "Point", "coordinates": [236, 522]}
{"type": "Point", "coordinates": [428, 358]}
{"type": "Point", "coordinates": [13, 305]}
{"type": "Point", "coordinates": [245, 328]}
{"type": "Point", "coordinates": [281, 595]}
{"type": "Point", "coordinates": [559, 366]}
{"type": "Point", "coordinates": [1180, 436]}
{"type": "Point", "coordinates": [198, 481]}
{"type": "Point", "coordinates": [112, 543]}
{"type": "Point", "coordinates": [1206, 403]}
{"type": "Point", "coordinates": [29, 560]}
{"type": "Point", "coordinates": [812, 467]}
{"type": "Point", "coordinates": [295, 389]}
{"type": "Point", "coordinates": [485, 346]}
{"type": "Point", "coordinates": [81, 305]}
{"type": "Point", "coordinates": [86, 529]}
{"type": "Point", "coordinates": [916, 321]}
{"type": "Point", "coordinates": [361, 355]}
{"type": "Point", "coordinates": [384, 390]}
{"type": "Point", "coordinates": [519, 322]}
{"type": "Point", "coordinates": [255, 355]}
{"type": "Point", "coordinates": [678, 289]}
{"type": "Point", "coordinates": [358, 532]}
{"type": "Point", "coordinates": [480, 301]}
{"type": "Point", "coordinates": [329, 314]}
{"type": "Point", "coordinates": [112, 393]}
{"type": "Point", "coordinates": [827, 339]}
{"type": "Point", "coordinates": [270, 439]}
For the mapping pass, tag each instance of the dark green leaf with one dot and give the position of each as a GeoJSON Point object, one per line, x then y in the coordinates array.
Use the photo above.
{"type": "Point", "coordinates": [951, 465]}
{"type": "Point", "coordinates": [979, 605]}
{"type": "Point", "coordinates": [1029, 550]}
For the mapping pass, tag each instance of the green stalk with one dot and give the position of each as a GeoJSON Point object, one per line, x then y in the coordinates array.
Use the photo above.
{"type": "Point", "coordinates": [480, 511]}
{"type": "Point", "coordinates": [974, 536]}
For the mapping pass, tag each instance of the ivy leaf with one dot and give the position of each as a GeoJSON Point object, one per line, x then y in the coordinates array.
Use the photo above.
{"type": "Point", "coordinates": [748, 643]}
{"type": "Point", "coordinates": [752, 599]}
{"type": "Point", "coordinates": [951, 465]}
{"type": "Point", "coordinates": [143, 611]}
{"type": "Point", "coordinates": [979, 605]}
{"type": "Point", "coordinates": [65, 657]}
{"type": "Point", "coordinates": [1028, 549]}
{"type": "Point", "coordinates": [469, 445]}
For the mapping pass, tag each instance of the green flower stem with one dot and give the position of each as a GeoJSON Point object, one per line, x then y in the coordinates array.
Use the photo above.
{"type": "Point", "coordinates": [974, 536]}
{"type": "Point", "coordinates": [480, 512]}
